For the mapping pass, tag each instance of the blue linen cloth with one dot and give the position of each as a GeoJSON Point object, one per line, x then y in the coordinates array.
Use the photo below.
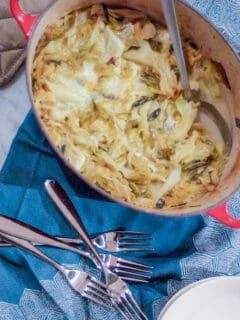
{"type": "Point", "coordinates": [186, 249]}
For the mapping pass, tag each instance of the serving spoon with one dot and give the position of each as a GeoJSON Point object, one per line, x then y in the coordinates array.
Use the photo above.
{"type": "Point", "coordinates": [169, 12]}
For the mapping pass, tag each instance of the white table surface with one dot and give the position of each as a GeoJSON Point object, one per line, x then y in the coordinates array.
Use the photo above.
{"type": "Point", "coordinates": [14, 105]}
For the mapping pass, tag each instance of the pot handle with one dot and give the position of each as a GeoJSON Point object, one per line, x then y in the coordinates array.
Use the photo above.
{"type": "Point", "coordinates": [25, 21]}
{"type": "Point", "coordinates": [222, 214]}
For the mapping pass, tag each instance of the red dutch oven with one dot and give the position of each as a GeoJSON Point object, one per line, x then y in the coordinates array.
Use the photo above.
{"type": "Point", "coordinates": [212, 44]}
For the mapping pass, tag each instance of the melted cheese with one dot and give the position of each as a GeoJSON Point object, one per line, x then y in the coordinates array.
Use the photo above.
{"type": "Point", "coordinates": [70, 92]}
{"type": "Point", "coordinates": [109, 97]}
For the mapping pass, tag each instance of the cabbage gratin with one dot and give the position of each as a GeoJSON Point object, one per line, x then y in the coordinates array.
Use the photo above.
{"type": "Point", "coordinates": [107, 90]}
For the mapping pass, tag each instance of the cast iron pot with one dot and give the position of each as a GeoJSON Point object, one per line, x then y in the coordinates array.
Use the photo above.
{"type": "Point", "coordinates": [212, 44]}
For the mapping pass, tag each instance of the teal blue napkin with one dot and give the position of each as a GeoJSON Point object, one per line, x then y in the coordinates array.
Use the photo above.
{"type": "Point", "coordinates": [185, 249]}
{"type": "Point", "coordinates": [29, 164]}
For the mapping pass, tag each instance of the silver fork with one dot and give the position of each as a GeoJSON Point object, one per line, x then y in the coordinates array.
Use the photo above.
{"type": "Point", "coordinates": [120, 294]}
{"type": "Point", "coordinates": [127, 269]}
{"type": "Point", "coordinates": [83, 283]}
{"type": "Point", "coordinates": [124, 241]}
{"type": "Point", "coordinates": [115, 241]}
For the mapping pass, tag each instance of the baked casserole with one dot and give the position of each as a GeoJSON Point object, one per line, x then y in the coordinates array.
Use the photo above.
{"type": "Point", "coordinates": [107, 89]}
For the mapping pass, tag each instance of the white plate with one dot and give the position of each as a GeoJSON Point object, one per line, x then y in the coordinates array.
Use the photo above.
{"type": "Point", "coordinates": [211, 299]}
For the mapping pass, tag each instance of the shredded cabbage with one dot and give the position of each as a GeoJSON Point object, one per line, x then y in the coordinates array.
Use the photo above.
{"type": "Point", "coordinates": [107, 90]}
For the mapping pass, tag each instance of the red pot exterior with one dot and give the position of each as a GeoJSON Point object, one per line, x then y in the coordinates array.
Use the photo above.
{"type": "Point", "coordinates": [30, 24]}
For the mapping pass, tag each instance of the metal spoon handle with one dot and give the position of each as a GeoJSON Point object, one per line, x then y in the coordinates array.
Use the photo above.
{"type": "Point", "coordinates": [21, 230]}
{"type": "Point", "coordinates": [172, 24]}
{"type": "Point", "coordinates": [26, 245]}
{"type": "Point", "coordinates": [65, 205]}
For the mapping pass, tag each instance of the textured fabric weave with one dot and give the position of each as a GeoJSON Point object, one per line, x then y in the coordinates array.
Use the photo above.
{"type": "Point", "coordinates": [22, 196]}
{"type": "Point", "coordinates": [12, 39]}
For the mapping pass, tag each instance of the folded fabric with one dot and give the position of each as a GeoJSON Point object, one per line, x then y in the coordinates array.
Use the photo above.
{"type": "Point", "coordinates": [12, 39]}
{"type": "Point", "coordinates": [12, 44]}
{"type": "Point", "coordinates": [185, 249]}
{"type": "Point", "coordinates": [28, 283]}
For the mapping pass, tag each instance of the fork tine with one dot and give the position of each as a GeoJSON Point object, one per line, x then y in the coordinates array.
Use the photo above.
{"type": "Point", "coordinates": [99, 283]}
{"type": "Point", "coordinates": [134, 249]}
{"type": "Point", "coordinates": [119, 306]}
{"type": "Point", "coordinates": [95, 291]}
{"type": "Point", "coordinates": [97, 288]}
{"type": "Point", "coordinates": [134, 309]}
{"type": "Point", "coordinates": [95, 299]}
{"type": "Point", "coordinates": [122, 262]}
{"type": "Point", "coordinates": [127, 269]}
{"type": "Point", "coordinates": [129, 238]}
{"type": "Point", "coordinates": [128, 313]}
{"type": "Point", "coordinates": [134, 268]}
{"type": "Point", "coordinates": [135, 305]}
{"type": "Point", "coordinates": [144, 273]}
{"type": "Point", "coordinates": [136, 280]}
{"type": "Point", "coordinates": [135, 244]}
{"type": "Point", "coordinates": [136, 241]}
{"type": "Point", "coordinates": [132, 232]}
{"type": "Point", "coordinates": [134, 273]}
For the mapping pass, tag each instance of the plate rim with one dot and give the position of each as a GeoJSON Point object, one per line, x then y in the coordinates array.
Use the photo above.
{"type": "Point", "coordinates": [191, 286]}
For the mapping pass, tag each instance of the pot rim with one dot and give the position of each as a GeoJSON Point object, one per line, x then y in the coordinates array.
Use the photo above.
{"type": "Point", "coordinates": [106, 195]}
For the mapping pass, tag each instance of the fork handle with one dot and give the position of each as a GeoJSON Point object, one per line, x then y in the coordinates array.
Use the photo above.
{"type": "Point", "coordinates": [66, 207]}
{"type": "Point", "coordinates": [72, 241]}
{"type": "Point", "coordinates": [26, 245]}
{"type": "Point", "coordinates": [24, 231]}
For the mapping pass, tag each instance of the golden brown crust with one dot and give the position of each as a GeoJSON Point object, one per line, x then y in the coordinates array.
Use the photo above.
{"type": "Point", "coordinates": [107, 90]}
